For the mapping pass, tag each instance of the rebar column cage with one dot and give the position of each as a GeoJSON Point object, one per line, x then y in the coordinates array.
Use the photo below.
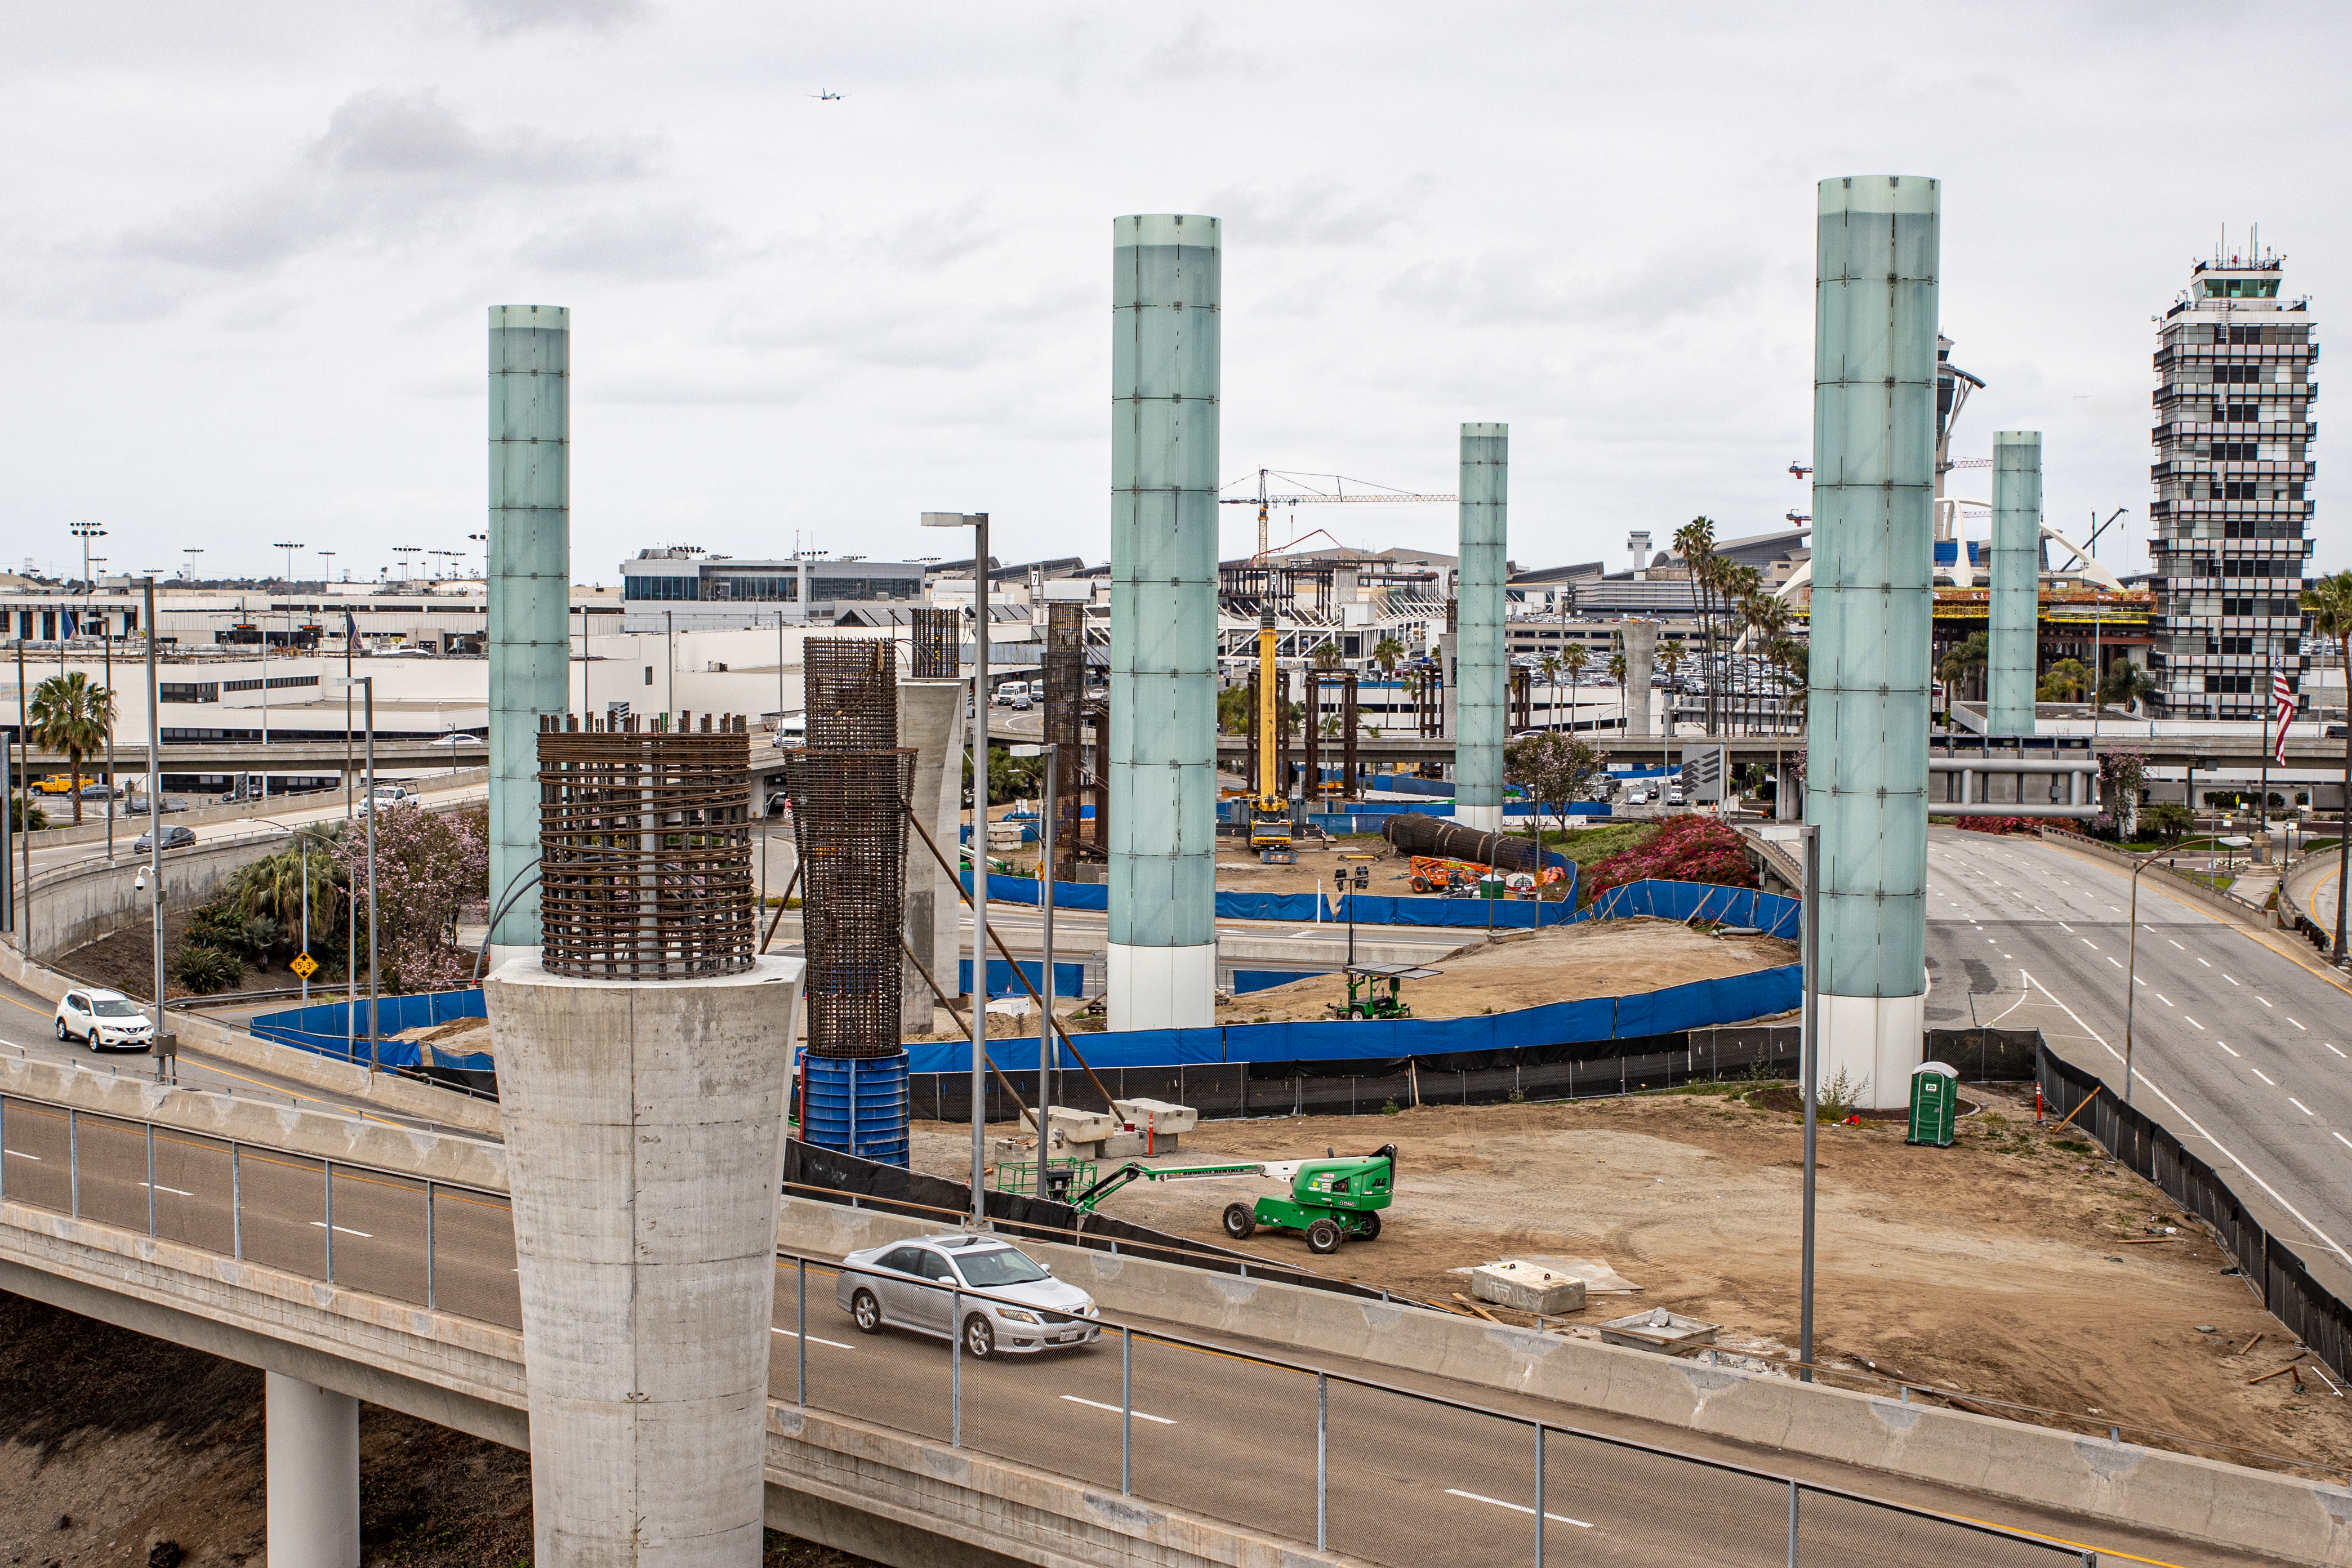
{"type": "Point", "coordinates": [1066, 692]}
{"type": "Point", "coordinates": [850, 688]}
{"type": "Point", "coordinates": [938, 637]}
{"type": "Point", "coordinates": [645, 849]}
{"type": "Point", "coordinates": [1317, 682]}
{"type": "Point", "coordinates": [849, 822]}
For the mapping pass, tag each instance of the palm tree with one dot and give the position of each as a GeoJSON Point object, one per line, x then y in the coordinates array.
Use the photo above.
{"type": "Point", "coordinates": [2330, 601]}
{"type": "Point", "coordinates": [2127, 683]}
{"type": "Point", "coordinates": [2066, 682]}
{"type": "Point", "coordinates": [1617, 674]}
{"type": "Point", "coordinates": [1694, 542]}
{"type": "Point", "coordinates": [1574, 660]}
{"type": "Point", "coordinates": [1386, 653]}
{"type": "Point", "coordinates": [70, 715]}
{"type": "Point", "coordinates": [1966, 660]}
{"type": "Point", "coordinates": [1549, 666]}
{"type": "Point", "coordinates": [1327, 655]}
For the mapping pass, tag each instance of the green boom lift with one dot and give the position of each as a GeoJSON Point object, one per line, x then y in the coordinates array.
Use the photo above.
{"type": "Point", "coordinates": [1331, 1200]}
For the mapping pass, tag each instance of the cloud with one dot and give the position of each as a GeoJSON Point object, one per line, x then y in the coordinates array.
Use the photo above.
{"type": "Point", "coordinates": [389, 166]}
{"type": "Point", "coordinates": [644, 242]}
{"type": "Point", "coordinates": [505, 18]}
{"type": "Point", "coordinates": [1316, 209]}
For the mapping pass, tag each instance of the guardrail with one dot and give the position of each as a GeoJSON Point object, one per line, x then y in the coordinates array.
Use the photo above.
{"type": "Point", "coordinates": [260, 1204]}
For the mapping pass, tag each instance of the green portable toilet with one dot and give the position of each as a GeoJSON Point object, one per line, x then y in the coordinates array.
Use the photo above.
{"type": "Point", "coordinates": [1935, 1104]}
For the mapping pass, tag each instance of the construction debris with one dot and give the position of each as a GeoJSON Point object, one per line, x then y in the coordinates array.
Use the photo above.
{"type": "Point", "coordinates": [1527, 1287]}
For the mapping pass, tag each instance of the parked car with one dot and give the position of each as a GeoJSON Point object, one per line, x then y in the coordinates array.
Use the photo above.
{"type": "Point", "coordinates": [104, 1020]}
{"type": "Point", "coordinates": [174, 838]}
{"type": "Point", "coordinates": [1021, 705]}
{"type": "Point", "coordinates": [137, 805]}
{"type": "Point", "coordinates": [56, 784]}
{"type": "Point", "coordinates": [100, 790]}
{"type": "Point", "coordinates": [909, 1284]}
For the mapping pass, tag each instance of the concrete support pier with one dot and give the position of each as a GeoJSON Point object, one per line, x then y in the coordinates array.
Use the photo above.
{"type": "Point", "coordinates": [644, 1138]}
{"type": "Point", "coordinates": [1641, 639]}
{"type": "Point", "coordinates": [2013, 649]}
{"type": "Point", "coordinates": [1482, 663]}
{"type": "Point", "coordinates": [1866, 753]}
{"type": "Point", "coordinates": [528, 590]}
{"type": "Point", "coordinates": [311, 1454]}
{"type": "Point", "coordinates": [930, 720]}
{"type": "Point", "coordinates": [1160, 765]}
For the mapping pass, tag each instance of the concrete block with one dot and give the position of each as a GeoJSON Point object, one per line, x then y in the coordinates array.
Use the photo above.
{"type": "Point", "coordinates": [1658, 1329]}
{"type": "Point", "coordinates": [1528, 1287]}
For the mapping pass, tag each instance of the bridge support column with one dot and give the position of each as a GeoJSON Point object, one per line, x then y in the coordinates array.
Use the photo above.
{"type": "Point", "coordinates": [310, 1451]}
{"type": "Point", "coordinates": [644, 1138]}
{"type": "Point", "coordinates": [930, 720]}
{"type": "Point", "coordinates": [1482, 664]}
{"type": "Point", "coordinates": [1641, 639]}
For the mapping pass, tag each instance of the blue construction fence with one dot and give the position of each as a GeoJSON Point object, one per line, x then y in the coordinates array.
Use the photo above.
{"type": "Point", "coordinates": [1369, 908]}
{"type": "Point", "coordinates": [1699, 1004]}
{"type": "Point", "coordinates": [1774, 914]}
{"type": "Point", "coordinates": [1069, 979]}
{"type": "Point", "coordinates": [323, 1027]}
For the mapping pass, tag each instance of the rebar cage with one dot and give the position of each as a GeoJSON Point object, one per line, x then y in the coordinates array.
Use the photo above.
{"type": "Point", "coordinates": [938, 637]}
{"type": "Point", "coordinates": [645, 845]}
{"type": "Point", "coordinates": [849, 821]}
{"type": "Point", "coordinates": [851, 692]}
{"type": "Point", "coordinates": [1066, 692]}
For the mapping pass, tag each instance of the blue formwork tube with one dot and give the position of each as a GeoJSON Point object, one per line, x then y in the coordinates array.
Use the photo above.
{"type": "Point", "coordinates": [857, 1105]}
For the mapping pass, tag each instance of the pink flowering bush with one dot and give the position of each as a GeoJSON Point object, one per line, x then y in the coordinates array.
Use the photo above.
{"type": "Point", "coordinates": [1684, 849]}
{"type": "Point", "coordinates": [428, 865]}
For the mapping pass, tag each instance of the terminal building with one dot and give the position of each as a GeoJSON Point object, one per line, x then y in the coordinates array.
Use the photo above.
{"type": "Point", "coordinates": [2233, 490]}
{"type": "Point", "coordinates": [677, 587]}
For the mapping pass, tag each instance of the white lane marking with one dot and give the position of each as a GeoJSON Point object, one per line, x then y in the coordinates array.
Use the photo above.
{"type": "Point", "coordinates": [347, 1230]}
{"type": "Point", "coordinates": [2207, 965]}
{"type": "Point", "coordinates": [2331, 1046]}
{"type": "Point", "coordinates": [2193, 1023]}
{"type": "Point", "coordinates": [2298, 1026]}
{"type": "Point", "coordinates": [20, 1154]}
{"type": "Point", "coordinates": [2116, 962]}
{"type": "Point", "coordinates": [2069, 929]}
{"type": "Point", "coordinates": [2089, 943]}
{"type": "Point", "coordinates": [2176, 944]}
{"type": "Point", "coordinates": [2343, 1140]}
{"type": "Point", "coordinates": [2298, 1105]}
{"type": "Point", "coordinates": [2263, 1000]}
{"type": "Point", "coordinates": [2137, 981]}
{"type": "Point", "coordinates": [2326, 1239]}
{"type": "Point", "coordinates": [181, 1192]}
{"type": "Point", "coordinates": [2230, 977]}
{"type": "Point", "coordinates": [1099, 1404]}
{"type": "Point", "coordinates": [2263, 1076]}
{"type": "Point", "coordinates": [1514, 1507]}
{"type": "Point", "coordinates": [1991, 943]}
{"type": "Point", "coordinates": [2225, 1046]}
{"type": "Point", "coordinates": [2005, 955]}
{"type": "Point", "coordinates": [2147, 928]}
{"type": "Point", "coordinates": [2163, 998]}
{"type": "Point", "coordinates": [813, 1339]}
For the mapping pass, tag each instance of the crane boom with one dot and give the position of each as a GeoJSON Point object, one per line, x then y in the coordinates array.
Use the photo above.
{"type": "Point", "coordinates": [1264, 501]}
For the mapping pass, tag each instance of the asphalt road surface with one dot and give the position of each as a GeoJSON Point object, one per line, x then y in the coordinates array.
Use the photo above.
{"type": "Point", "coordinates": [1214, 1431]}
{"type": "Point", "coordinates": [2239, 1047]}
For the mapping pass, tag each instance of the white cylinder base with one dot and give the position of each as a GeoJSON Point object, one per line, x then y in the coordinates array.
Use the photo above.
{"type": "Point", "coordinates": [310, 1452]}
{"type": "Point", "coordinates": [1876, 1041]}
{"type": "Point", "coordinates": [1162, 987]}
{"type": "Point", "coordinates": [645, 1142]}
{"type": "Point", "coordinates": [1479, 819]}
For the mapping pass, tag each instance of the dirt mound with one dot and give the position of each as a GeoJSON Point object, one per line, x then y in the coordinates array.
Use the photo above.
{"type": "Point", "coordinates": [1565, 963]}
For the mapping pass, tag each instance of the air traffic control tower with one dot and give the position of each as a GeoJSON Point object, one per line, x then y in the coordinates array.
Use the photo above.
{"type": "Point", "coordinates": [1874, 488]}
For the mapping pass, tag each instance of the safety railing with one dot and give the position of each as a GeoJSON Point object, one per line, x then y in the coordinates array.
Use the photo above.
{"type": "Point", "coordinates": [438, 1245]}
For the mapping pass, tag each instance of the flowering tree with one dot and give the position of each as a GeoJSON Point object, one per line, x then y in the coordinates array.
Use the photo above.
{"type": "Point", "coordinates": [2121, 774]}
{"type": "Point", "coordinates": [1684, 849]}
{"type": "Point", "coordinates": [428, 865]}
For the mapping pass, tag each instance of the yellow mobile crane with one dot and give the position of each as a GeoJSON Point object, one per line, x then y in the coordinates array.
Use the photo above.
{"type": "Point", "coordinates": [1269, 808]}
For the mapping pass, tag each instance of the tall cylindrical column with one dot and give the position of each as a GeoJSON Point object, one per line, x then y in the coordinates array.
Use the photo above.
{"type": "Point", "coordinates": [1481, 663]}
{"type": "Point", "coordinates": [644, 1128]}
{"type": "Point", "coordinates": [1160, 765]}
{"type": "Point", "coordinates": [1641, 658]}
{"type": "Point", "coordinates": [529, 588]}
{"type": "Point", "coordinates": [1867, 751]}
{"type": "Point", "coordinates": [310, 1455]}
{"type": "Point", "coordinates": [2013, 654]}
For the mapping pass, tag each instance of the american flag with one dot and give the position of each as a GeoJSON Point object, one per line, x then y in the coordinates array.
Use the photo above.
{"type": "Point", "coordinates": [2282, 710]}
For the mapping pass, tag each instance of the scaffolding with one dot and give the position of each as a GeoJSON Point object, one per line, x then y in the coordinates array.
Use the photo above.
{"type": "Point", "coordinates": [1066, 692]}
{"type": "Point", "coordinates": [644, 844]}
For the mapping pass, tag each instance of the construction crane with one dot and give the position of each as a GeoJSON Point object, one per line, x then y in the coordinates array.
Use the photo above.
{"type": "Point", "coordinates": [1265, 501]}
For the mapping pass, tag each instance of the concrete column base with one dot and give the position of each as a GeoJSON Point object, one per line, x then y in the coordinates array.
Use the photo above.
{"type": "Point", "coordinates": [1876, 1041]}
{"type": "Point", "coordinates": [644, 1146]}
{"type": "Point", "coordinates": [1161, 987]}
{"type": "Point", "coordinates": [310, 1452]}
{"type": "Point", "coordinates": [1479, 819]}
{"type": "Point", "coordinates": [503, 953]}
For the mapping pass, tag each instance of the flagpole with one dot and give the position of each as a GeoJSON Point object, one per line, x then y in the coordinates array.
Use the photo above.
{"type": "Point", "coordinates": [2263, 800]}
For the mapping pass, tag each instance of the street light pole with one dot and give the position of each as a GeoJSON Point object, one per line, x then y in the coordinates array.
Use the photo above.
{"type": "Point", "coordinates": [978, 523]}
{"type": "Point", "coordinates": [1051, 752]}
{"type": "Point", "coordinates": [2131, 971]}
{"type": "Point", "coordinates": [1809, 1065]}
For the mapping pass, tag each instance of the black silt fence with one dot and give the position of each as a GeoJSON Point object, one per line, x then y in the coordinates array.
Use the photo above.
{"type": "Point", "coordinates": [2287, 1284]}
{"type": "Point", "coordinates": [1986, 1055]}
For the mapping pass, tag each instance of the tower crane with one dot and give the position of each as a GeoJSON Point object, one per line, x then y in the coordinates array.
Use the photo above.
{"type": "Point", "coordinates": [1265, 501]}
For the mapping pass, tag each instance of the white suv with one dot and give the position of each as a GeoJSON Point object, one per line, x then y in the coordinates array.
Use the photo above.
{"type": "Point", "coordinates": [104, 1019]}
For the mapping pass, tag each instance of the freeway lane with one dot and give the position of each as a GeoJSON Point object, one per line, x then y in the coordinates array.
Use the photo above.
{"type": "Point", "coordinates": [2239, 1048]}
{"type": "Point", "coordinates": [1217, 1433]}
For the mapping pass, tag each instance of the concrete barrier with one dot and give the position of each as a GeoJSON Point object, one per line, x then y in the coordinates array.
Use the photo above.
{"type": "Point", "coordinates": [128, 827]}
{"type": "Point", "coordinates": [74, 906]}
{"type": "Point", "coordinates": [2238, 909]}
{"type": "Point", "coordinates": [2227, 1505]}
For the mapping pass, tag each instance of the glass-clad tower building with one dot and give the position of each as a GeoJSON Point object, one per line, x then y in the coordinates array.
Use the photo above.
{"type": "Point", "coordinates": [2233, 489]}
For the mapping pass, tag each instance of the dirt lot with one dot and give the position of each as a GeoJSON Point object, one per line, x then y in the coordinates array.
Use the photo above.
{"type": "Point", "coordinates": [2011, 1266]}
{"type": "Point", "coordinates": [1562, 964]}
{"type": "Point", "coordinates": [120, 1449]}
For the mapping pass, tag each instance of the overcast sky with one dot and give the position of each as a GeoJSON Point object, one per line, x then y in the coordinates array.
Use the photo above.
{"type": "Point", "coordinates": [249, 249]}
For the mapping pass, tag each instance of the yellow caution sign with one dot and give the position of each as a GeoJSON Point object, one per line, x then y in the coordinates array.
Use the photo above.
{"type": "Point", "coordinates": [304, 965]}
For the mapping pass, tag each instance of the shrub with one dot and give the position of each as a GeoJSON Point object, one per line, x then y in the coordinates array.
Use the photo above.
{"type": "Point", "coordinates": [1684, 849]}
{"type": "Point", "coordinates": [205, 970]}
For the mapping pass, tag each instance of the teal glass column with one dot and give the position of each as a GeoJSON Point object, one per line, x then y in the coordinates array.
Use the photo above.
{"type": "Point", "coordinates": [1161, 963]}
{"type": "Point", "coordinates": [1866, 749]}
{"type": "Point", "coordinates": [1481, 663]}
{"type": "Point", "coordinates": [2013, 650]}
{"type": "Point", "coordinates": [530, 586]}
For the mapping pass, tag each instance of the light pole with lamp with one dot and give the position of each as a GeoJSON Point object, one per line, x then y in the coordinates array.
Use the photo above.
{"type": "Point", "coordinates": [1809, 1064]}
{"type": "Point", "coordinates": [190, 552]}
{"type": "Point", "coordinates": [150, 875]}
{"type": "Point", "coordinates": [978, 523]}
{"type": "Point", "coordinates": [290, 546]}
{"type": "Point", "coordinates": [1046, 1055]}
{"type": "Point", "coordinates": [366, 683]}
{"type": "Point", "coordinates": [2131, 969]}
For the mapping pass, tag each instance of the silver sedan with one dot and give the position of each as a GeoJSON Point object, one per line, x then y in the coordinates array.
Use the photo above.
{"type": "Point", "coordinates": [915, 1284]}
